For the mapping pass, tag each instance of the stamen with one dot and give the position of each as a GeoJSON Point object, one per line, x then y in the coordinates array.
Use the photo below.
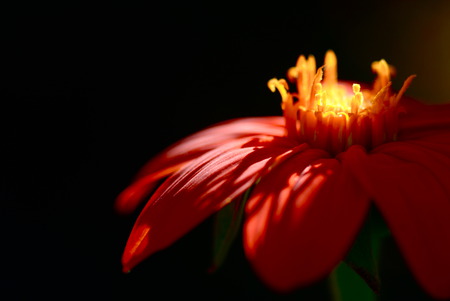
{"type": "Point", "coordinates": [279, 84]}
{"type": "Point", "coordinates": [287, 104]}
{"type": "Point", "coordinates": [378, 101]}
{"type": "Point", "coordinates": [292, 74]}
{"type": "Point", "coordinates": [316, 89]}
{"type": "Point", "coordinates": [402, 91]}
{"type": "Point", "coordinates": [306, 69]}
{"type": "Point", "coordinates": [381, 68]}
{"type": "Point", "coordinates": [357, 99]}
{"type": "Point", "coordinates": [302, 80]}
{"type": "Point", "coordinates": [333, 116]}
{"type": "Point", "coordinates": [330, 78]}
{"type": "Point", "coordinates": [311, 61]}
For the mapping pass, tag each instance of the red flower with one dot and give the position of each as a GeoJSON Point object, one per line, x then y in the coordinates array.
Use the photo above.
{"type": "Point", "coordinates": [337, 148]}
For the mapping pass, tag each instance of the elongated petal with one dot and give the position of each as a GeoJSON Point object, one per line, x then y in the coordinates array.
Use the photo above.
{"type": "Point", "coordinates": [302, 219]}
{"type": "Point", "coordinates": [191, 147]}
{"type": "Point", "coordinates": [192, 194]}
{"type": "Point", "coordinates": [142, 186]}
{"type": "Point", "coordinates": [211, 137]}
{"type": "Point", "coordinates": [410, 185]}
{"type": "Point", "coordinates": [437, 141]}
{"type": "Point", "coordinates": [421, 120]}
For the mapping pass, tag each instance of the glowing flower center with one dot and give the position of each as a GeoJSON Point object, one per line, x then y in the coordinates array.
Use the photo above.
{"type": "Point", "coordinates": [333, 116]}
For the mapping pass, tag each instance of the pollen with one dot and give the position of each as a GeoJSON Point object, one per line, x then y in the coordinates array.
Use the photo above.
{"type": "Point", "coordinates": [333, 115]}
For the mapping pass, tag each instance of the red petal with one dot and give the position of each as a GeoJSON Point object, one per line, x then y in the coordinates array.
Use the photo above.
{"type": "Point", "coordinates": [197, 191]}
{"type": "Point", "coordinates": [421, 120]}
{"type": "Point", "coordinates": [410, 185]}
{"type": "Point", "coordinates": [139, 189]}
{"type": "Point", "coordinates": [191, 147]}
{"type": "Point", "coordinates": [302, 219]}
{"type": "Point", "coordinates": [212, 137]}
{"type": "Point", "coordinates": [438, 141]}
{"type": "Point", "coordinates": [135, 193]}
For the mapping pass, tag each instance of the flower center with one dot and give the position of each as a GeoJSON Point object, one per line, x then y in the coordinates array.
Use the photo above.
{"type": "Point", "coordinates": [332, 115]}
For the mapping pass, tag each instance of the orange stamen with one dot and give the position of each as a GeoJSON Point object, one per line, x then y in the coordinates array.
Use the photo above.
{"type": "Point", "coordinates": [330, 115]}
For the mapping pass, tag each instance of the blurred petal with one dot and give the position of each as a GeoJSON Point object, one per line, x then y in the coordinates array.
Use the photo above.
{"type": "Point", "coordinates": [410, 185]}
{"type": "Point", "coordinates": [421, 120]}
{"type": "Point", "coordinates": [438, 142]}
{"type": "Point", "coordinates": [302, 218]}
{"type": "Point", "coordinates": [195, 192]}
{"type": "Point", "coordinates": [191, 147]}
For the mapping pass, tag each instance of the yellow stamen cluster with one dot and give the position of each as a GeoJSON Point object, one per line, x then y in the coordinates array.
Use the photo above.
{"type": "Point", "coordinates": [334, 116]}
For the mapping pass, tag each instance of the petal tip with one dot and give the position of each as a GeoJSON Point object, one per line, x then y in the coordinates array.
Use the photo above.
{"type": "Point", "coordinates": [126, 270]}
{"type": "Point", "coordinates": [125, 203]}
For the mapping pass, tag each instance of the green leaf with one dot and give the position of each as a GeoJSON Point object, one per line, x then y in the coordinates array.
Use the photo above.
{"type": "Point", "coordinates": [228, 222]}
{"type": "Point", "coordinates": [346, 285]}
{"type": "Point", "coordinates": [363, 257]}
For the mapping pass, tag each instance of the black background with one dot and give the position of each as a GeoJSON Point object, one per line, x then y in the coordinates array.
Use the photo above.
{"type": "Point", "coordinates": [89, 93]}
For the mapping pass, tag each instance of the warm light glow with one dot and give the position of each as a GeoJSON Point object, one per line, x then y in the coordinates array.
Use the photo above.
{"type": "Point", "coordinates": [332, 115]}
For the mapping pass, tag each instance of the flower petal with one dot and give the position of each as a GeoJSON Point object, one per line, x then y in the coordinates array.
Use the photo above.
{"type": "Point", "coordinates": [302, 219]}
{"type": "Point", "coordinates": [191, 147]}
{"type": "Point", "coordinates": [410, 185]}
{"type": "Point", "coordinates": [206, 185]}
{"type": "Point", "coordinates": [438, 142]}
{"type": "Point", "coordinates": [212, 137]}
{"type": "Point", "coordinates": [141, 188]}
{"type": "Point", "coordinates": [421, 120]}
